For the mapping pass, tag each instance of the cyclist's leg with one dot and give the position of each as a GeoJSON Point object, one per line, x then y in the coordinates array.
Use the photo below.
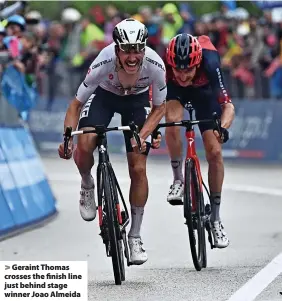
{"type": "Point", "coordinates": [204, 108]}
{"type": "Point", "coordinates": [97, 111]}
{"type": "Point", "coordinates": [174, 112]}
{"type": "Point", "coordinates": [136, 108]}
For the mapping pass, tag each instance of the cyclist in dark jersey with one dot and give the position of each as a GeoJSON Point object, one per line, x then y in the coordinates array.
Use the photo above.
{"type": "Point", "coordinates": [194, 74]}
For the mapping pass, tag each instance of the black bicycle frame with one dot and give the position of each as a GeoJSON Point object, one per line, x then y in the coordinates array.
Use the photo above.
{"type": "Point", "coordinates": [102, 145]}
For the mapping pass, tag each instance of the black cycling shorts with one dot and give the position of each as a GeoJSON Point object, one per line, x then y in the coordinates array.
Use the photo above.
{"type": "Point", "coordinates": [202, 99]}
{"type": "Point", "coordinates": [102, 105]}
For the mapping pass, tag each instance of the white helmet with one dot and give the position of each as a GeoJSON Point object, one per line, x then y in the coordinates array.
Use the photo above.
{"type": "Point", "coordinates": [130, 34]}
{"type": "Point", "coordinates": [70, 15]}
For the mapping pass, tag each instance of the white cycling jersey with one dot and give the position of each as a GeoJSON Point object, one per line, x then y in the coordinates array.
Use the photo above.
{"type": "Point", "coordinates": [103, 73]}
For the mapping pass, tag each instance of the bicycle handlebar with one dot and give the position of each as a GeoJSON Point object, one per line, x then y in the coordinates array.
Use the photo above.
{"type": "Point", "coordinates": [188, 123]}
{"type": "Point", "coordinates": [101, 129]}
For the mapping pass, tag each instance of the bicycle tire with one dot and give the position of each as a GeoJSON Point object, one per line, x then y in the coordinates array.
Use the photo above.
{"type": "Point", "coordinates": [194, 219]}
{"type": "Point", "coordinates": [113, 225]}
{"type": "Point", "coordinates": [119, 234]}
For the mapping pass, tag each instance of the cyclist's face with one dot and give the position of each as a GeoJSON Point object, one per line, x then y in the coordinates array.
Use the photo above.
{"type": "Point", "coordinates": [185, 77]}
{"type": "Point", "coordinates": [131, 60]}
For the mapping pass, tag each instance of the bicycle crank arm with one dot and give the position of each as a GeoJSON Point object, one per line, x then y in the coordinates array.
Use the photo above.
{"type": "Point", "coordinates": [124, 225]}
{"type": "Point", "coordinates": [210, 237]}
{"type": "Point", "coordinates": [126, 250]}
{"type": "Point", "coordinates": [125, 220]}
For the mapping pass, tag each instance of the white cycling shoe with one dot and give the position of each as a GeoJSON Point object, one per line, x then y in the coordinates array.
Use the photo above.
{"type": "Point", "coordinates": [137, 254]}
{"type": "Point", "coordinates": [87, 205]}
{"type": "Point", "coordinates": [219, 235]}
{"type": "Point", "coordinates": [175, 193]}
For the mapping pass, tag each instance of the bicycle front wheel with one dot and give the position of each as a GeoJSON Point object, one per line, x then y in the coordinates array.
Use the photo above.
{"type": "Point", "coordinates": [116, 246]}
{"type": "Point", "coordinates": [194, 215]}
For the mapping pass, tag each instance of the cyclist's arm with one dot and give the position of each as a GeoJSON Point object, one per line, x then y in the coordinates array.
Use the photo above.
{"type": "Point", "coordinates": [84, 91]}
{"type": "Point", "coordinates": [218, 87]}
{"type": "Point", "coordinates": [95, 74]}
{"type": "Point", "coordinates": [72, 114]}
{"type": "Point", "coordinates": [159, 91]}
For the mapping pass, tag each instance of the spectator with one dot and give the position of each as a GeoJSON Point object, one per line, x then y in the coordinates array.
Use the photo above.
{"type": "Point", "coordinates": [172, 22]}
{"type": "Point", "coordinates": [154, 29]}
{"type": "Point", "coordinates": [113, 17]}
{"type": "Point", "coordinates": [250, 47]}
{"type": "Point", "coordinates": [2, 36]}
{"type": "Point", "coordinates": [188, 19]}
{"type": "Point", "coordinates": [26, 63]}
{"type": "Point", "coordinates": [14, 28]}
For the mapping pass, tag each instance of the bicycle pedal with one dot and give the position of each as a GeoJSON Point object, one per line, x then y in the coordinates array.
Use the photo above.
{"type": "Point", "coordinates": [175, 202]}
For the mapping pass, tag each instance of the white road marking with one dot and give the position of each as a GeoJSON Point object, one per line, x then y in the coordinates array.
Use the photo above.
{"type": "Point", "coordinates": [254, 189]}
{"type": "Point", "coordinates": [250, 290]}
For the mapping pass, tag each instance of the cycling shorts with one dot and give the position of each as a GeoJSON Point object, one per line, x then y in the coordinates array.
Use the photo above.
{"type": "Point", "coordinates": [202, 99]}
{"type": "Point", "coordinates": [102, 105]}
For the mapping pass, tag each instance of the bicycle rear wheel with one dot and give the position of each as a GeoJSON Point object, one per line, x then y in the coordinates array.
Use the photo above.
{"type": "Point", "coordinates": [194, 215]}
{"type": "Point", "coordinates": [115, 238]}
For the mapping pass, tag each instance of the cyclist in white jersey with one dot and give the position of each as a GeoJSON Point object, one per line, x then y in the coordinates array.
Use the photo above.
{"type": "Point", "coordinates": [118, 81]}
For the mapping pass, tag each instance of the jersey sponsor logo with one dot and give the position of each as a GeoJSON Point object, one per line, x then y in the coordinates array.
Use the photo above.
{"type": "Point", "coordinates": [220, 82]}
{"type": "Point", "coordinates": [88, 70]}
{"type": "Point", "coordinates": [102, 63]}
{"type": "Point", "coordinates": [190, 141]}
{"type": "Point", "coordinates": [86, 108]}
{"type": "Point", "coordinates": [111, 76]}
{"type": "Point", "coordinates": [155, 63]}
{"type": "Point", "coordinates": [102, 149]}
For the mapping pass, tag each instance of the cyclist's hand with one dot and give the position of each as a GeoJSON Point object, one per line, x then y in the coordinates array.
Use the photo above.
{"type": "Point", "coordinates": [156, 143]}
{"type": "Point", "coordinates": [216, 133]}
{"type": "Point", "coordinates": [224, 135]}
{"type": "Point", "coordinates": [135, 145]}
{"type": "Point", "coordinates": [62, 152]}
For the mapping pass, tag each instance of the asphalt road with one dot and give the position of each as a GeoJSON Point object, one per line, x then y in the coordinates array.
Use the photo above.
{"type": "Point", "coordinates": [251, 212]}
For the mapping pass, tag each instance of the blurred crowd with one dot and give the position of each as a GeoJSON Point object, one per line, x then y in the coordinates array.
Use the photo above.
{"type": "Point", "coordinates": [58, 53]}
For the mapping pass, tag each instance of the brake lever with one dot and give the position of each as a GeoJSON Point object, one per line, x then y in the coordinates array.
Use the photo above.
{"type": "Point", "coordinates": [134, 130]}
{"type": "Point", "coordinates": [155, 135]}
{"type": "Point", "coordinates": [67, 137]}
{"type": "Point", "coordinates": [223, 133]}
{"type": "Point", "coordinates": [217, 122]}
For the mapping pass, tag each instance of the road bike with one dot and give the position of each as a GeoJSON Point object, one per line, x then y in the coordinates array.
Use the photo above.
{"type": "Point", "coordinates": [113, 218]}
{"type": "Point", "coordinates": [196, 211]}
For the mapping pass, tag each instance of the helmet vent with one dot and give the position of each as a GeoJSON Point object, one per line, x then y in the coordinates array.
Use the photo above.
{"type": "Point", "coordinates": [125, 35]}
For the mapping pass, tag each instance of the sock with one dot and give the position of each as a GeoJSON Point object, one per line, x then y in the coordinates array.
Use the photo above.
{"type": "Point", "coordinates": [87, 181]}
{"type": "Point", "coordinates": [136, 221]}
{"type": "Point", "coordinates": [215, 206]}
{"type": "Point", "coordinates": [176, 164]}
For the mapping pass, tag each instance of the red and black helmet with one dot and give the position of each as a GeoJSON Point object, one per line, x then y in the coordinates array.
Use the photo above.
{"type": "Point", "coordinates": [184, 51]}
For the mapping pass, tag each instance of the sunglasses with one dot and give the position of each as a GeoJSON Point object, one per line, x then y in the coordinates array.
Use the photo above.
{"type": "Point", "coordinates": [136, 47]}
